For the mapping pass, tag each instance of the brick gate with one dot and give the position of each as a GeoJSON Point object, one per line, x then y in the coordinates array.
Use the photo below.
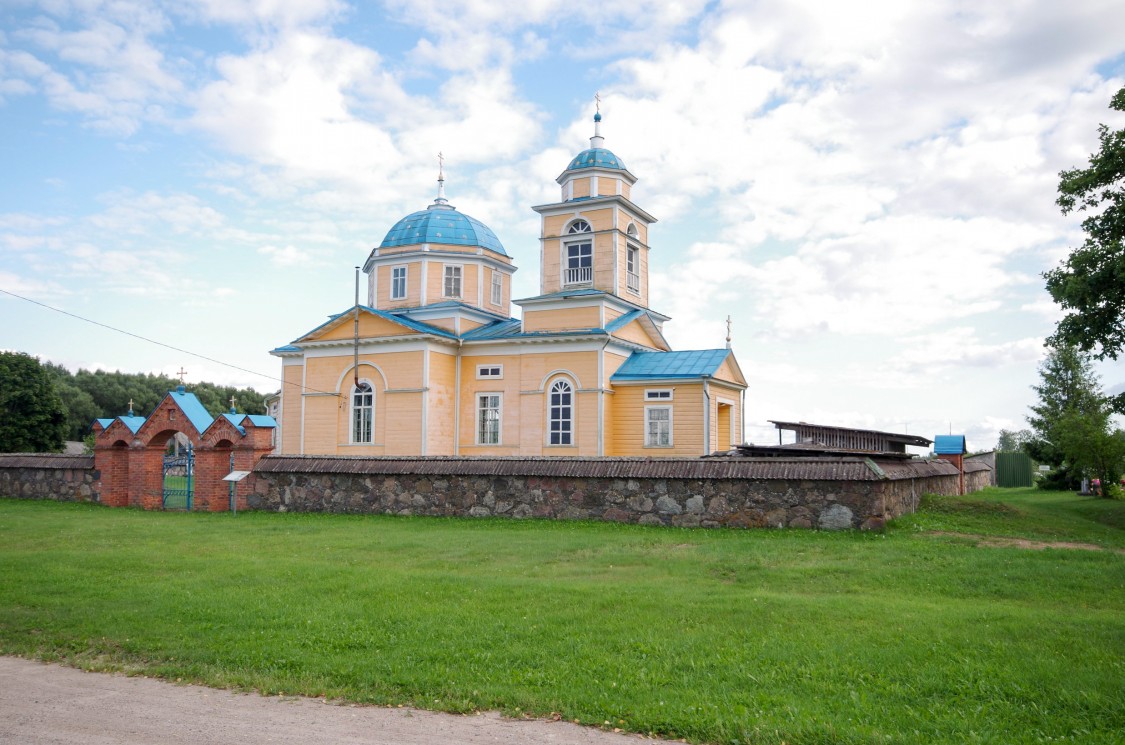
{"type": "Point", "coordinates": [129, 452]}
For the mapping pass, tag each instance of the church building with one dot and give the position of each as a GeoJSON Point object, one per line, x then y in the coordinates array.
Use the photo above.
{"type": "Point", "coordinates": [434, 364]}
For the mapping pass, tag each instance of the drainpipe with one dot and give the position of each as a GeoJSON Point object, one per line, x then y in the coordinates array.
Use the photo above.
{"type": "Point", "coordinates": [457, 402]}
{"type": "Point", "coordinates": [706, 416]}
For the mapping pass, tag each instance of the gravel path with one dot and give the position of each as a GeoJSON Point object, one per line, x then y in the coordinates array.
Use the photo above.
{"type": "Point", "coordinates": [42, 704]}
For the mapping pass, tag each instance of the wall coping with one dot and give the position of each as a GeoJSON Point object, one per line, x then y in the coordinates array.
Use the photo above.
{"type": "Point", "coordinates": [803, 469]}
{"type": "Point", "coordinates": [60, 461]}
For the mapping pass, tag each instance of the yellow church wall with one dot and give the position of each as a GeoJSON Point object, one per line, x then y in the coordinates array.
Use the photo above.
{"type": "Point", "coordinates": [292, 376]}
{"type": "Point", "coordinates": [580, 187]}
{"type": "Point", "coordinates": [727, 371]}
{"type": "Point", "coordinates": [635, 333]}
{"type": "Point", "coordinates": [533, 402]}
{"type": "Point", "coordinates": [435, 282]}
{"type": "Point", "coordinates": [629, 421]}
{"type": "Point", "coordinates": [383, 283]}
{"type": "Point", "coordinates": [403, 423]}
{"type": "Point", "coordinates": [612, 314]}
{"type": "Point", "coordinates": [626, 190]}
{"type": "Point", "coordinates": [640, 297]}
{"type": "Point", "coordinates": [562, 319]}
{"type": "Point", "coordinates": [509, 388]}
{"type": "Point", "coordinates": [369, 325]}
{"type": "Point", "coordinates": [441, 405]}
{"type": "Point", "coordinates": [731, 396]}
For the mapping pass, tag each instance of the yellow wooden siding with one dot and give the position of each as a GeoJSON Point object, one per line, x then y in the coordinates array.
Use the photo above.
{"type": "Point", "coordinates": [291, 409]}
{"type": "Point", "coordinates": [626, 189]}
{"type": "Point", "coordinates": [640, 297]}
{"type": "Point", "coordinates": [612, 314]}
{"type": "Point", "coordinates": [509, 389]}
{"type": "Point", "coordinates": [369, 325]}
{"type": "Point", "coordinates": [562, 319]}
{"type": "Point", "coordinates": [443, 323]}
{"type": "Point", "coordinates": [413, 286]}
{"type": "Point", "coordinates": [636, 333]}
{"type": "Point", "coordinates": [629, 422]}
{"type": "Point", "coordinates": [441, 406]}
{"type": "Point", "coordinates": [533, 402]}
{"type": "Point", "coordinates": [607, 186]}
{"type": "Point", "coordinates": [550, 276]}
{"type": "Point", "coordinates": [580, 187]}
{"type": "Point", "coordinates": [728, 371]}
{"type": "Point", "coordinates": [403, 417]}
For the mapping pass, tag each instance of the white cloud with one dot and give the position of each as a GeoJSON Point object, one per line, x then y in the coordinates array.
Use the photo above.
{"type": "Point", "coordinates": [286, 256]}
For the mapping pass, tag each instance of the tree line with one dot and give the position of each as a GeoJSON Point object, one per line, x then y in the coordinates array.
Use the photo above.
{"type": "Point", "coordinates": [1071, 426]}
{"type": "Point", "coordinates": [45, 404]}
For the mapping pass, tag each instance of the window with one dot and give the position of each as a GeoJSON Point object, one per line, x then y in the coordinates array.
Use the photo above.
{"type": "Point", "coordinates": [658, 394]}
{"type": "Point", "coordinates": [658, 426]}
{"type": "Point", "coordinates": [452, 285]}
{"type": "Point", "coordinates": [497, 288]}
{"type": "Point", "coordinates": [579, 261]}
{"type": "Point", "coordinates": [398, 283]}
{"type": "Point", "coordinates": [632, 269]}
{"type": "Point", "coordinates": [560, 413]}
{"type": "Point", "coordinates": [488, 419]}
{"type": "Point", "coordinates": [494, 372]}
{"type": "Point", "coordinates": [363, 413]}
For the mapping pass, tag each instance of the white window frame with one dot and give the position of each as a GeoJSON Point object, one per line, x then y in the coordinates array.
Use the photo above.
{"type": "Point", "coordinates": [395, 295]}
{"type": "Point", "coordinates": [659, 394]}
{"type": "Point", "coordinates": [484, 406]}
{"type": "Point", "coordinates": [484, 372]}
{"type": "Point", "coordinates": [458, 274]}
{"type": "Point", "coordinates": [650, 440]}
{"type": "Point", "coordinates": [566, 429]}
{"type": "Point", "coordinates": [633, 269]}
{"type": "Point", "coordinates": [580, 233]}
{"type": "Point", "coordinates": [497, 296]}
{"type": "Point", "coordinates": [356, 416]}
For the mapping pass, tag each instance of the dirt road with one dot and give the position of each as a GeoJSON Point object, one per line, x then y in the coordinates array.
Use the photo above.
{"type": "Point", "coordinates": [42, 704]}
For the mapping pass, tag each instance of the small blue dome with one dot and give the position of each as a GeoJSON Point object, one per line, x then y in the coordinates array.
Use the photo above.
{"type": "Point", "coordinates": [442, 224]}
{"type": "Point", "coordinates": [596, 157]}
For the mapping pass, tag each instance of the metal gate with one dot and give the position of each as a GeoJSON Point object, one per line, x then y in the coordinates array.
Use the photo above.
{"type": "Point", "coordinates": [1013, 469]}
{"type": "Point", "coordinates": [179, 480]}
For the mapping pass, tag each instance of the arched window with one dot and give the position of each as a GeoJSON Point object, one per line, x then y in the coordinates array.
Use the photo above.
{"type": "Point", "coordinates": [560, 413]}
{"type": "Point", "coordinates": [363, 413]}
{"type": "Point", "coordinates": [578, 256]}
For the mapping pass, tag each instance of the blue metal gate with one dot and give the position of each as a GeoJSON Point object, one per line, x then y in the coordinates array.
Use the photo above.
{"type": "Point", "coordinates": [179, 478]}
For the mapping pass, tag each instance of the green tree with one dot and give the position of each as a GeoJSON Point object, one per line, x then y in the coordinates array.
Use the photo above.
{"type": "Point", "coordinates": [1011, 441]}
{"type": "Point", "coordinates": [32, 419]}
{"type": "Point", "coordinates": [1070, 424]}
{"type": "Point", "coordinates": [1090, 284]}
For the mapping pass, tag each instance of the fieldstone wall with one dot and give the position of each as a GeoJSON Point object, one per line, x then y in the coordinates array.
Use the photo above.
{"type": "Point", "coordinates": [62, 478]}
{"type": "Point", "coordinates": [709, 502]}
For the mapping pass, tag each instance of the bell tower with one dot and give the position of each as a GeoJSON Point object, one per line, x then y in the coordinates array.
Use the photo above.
{"type": "Point", "coordinates": [595, 237]}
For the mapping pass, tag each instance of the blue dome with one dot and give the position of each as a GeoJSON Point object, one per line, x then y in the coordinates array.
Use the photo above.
{"type": "Point", "coordinates": [442, 224]}
{"type": "Point", "coordinates": [596, 157]}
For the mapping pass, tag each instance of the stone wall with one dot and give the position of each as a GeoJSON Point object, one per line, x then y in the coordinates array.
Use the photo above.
{"type": "Point", "coordinates": [648, 492]}
{"type": "Point", "coordinates": [63, 478]}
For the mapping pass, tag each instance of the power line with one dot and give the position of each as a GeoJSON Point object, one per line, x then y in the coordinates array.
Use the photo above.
{"type": "Point", "coordinates": [161, 344]}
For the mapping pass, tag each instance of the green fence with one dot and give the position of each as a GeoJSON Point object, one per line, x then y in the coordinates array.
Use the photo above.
{"type": "Point", "coordinates": [1013, 469]}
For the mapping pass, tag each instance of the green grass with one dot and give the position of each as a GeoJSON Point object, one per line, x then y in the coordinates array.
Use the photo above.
{"type": "Point", "coordinates": [709, 635]}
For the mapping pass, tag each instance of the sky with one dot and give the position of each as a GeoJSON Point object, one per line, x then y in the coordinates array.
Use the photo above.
{"type": "Point", "coordinates": [866, 188]}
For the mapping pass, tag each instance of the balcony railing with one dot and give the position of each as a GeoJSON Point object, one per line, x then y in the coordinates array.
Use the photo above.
{"type": "Point", "coordinates": [579, 275]}
{"type": "Point", "coordinates": [633, 281]}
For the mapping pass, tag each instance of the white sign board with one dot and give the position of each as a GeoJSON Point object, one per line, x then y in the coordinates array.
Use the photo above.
{"type": "Point", "coordinates": [236, 475]}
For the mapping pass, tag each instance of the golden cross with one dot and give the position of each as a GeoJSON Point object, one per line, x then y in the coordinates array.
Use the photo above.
{"type": "Point", "coordinates": [598, 100]}
{"type": "Point", "coordinates": [441, 166]}
{"type": "Point", "coordinates": [182, 373]}
{"type": "Point", "coordinates": [232, 399]}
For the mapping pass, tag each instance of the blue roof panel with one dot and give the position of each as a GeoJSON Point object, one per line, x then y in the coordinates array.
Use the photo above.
{"type": "Point", "coordinates": [659, 365]}
{"type": "Point", "coordinates": [596, 157]}
{"type": "Point", "coordinates": [192, 408]}
{"type": "Point", "coordinates": [442, 224]}
{"type": "Point", "coordinates": [949, 444]}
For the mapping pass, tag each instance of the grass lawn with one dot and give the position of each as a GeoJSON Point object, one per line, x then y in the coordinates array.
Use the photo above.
{"type": "Point", "coordinates": [711, 635]}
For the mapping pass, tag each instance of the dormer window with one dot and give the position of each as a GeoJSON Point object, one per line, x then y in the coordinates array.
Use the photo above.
{"type": "Point", "coordinates": [578, 255]}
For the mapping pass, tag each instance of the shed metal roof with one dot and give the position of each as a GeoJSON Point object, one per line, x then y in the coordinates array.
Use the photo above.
{"type": "Point", "coordinates": [949, 444]}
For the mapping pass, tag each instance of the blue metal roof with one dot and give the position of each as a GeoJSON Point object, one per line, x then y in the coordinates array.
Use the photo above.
{"type": "Point", "coordinates": [261, 420]}
{"type": "Point", "coordinates": [105, 422]}
{"type": "Point", "coordinates": [595, 157]}
{"type": "Point", "coordinates": [236, 420]}
{"type": "Point", "coordinates": [132, 422]}
{"type": "Point", "coordinates": [623, 320]}
{"type": "Point", "coordinates": [193, 410]}
{"type": "Point", "coordinates": [658, 365]}
{"type": "Point", "coordinates": [440, 223]}
{"type": "Point", "coordinates": [949, 444]}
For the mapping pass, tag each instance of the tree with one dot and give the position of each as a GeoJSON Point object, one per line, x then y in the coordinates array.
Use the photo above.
{"type": "Point", "coordinates": [1070, 425]}
{"type": "Point", "coordinates": [32, 419]}
{"type": "Point", "coordinates": [1090, 284]}
{"type": "Point", "coordinates": [1012, 442]}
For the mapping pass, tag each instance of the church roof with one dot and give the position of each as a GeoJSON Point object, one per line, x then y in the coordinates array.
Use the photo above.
{"type": "Point", "coordinates": [663, 365]}
{"type": "Point", "coordinates": [441, 223]}
{"type": "Point", "coordinates": [596, 157]}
